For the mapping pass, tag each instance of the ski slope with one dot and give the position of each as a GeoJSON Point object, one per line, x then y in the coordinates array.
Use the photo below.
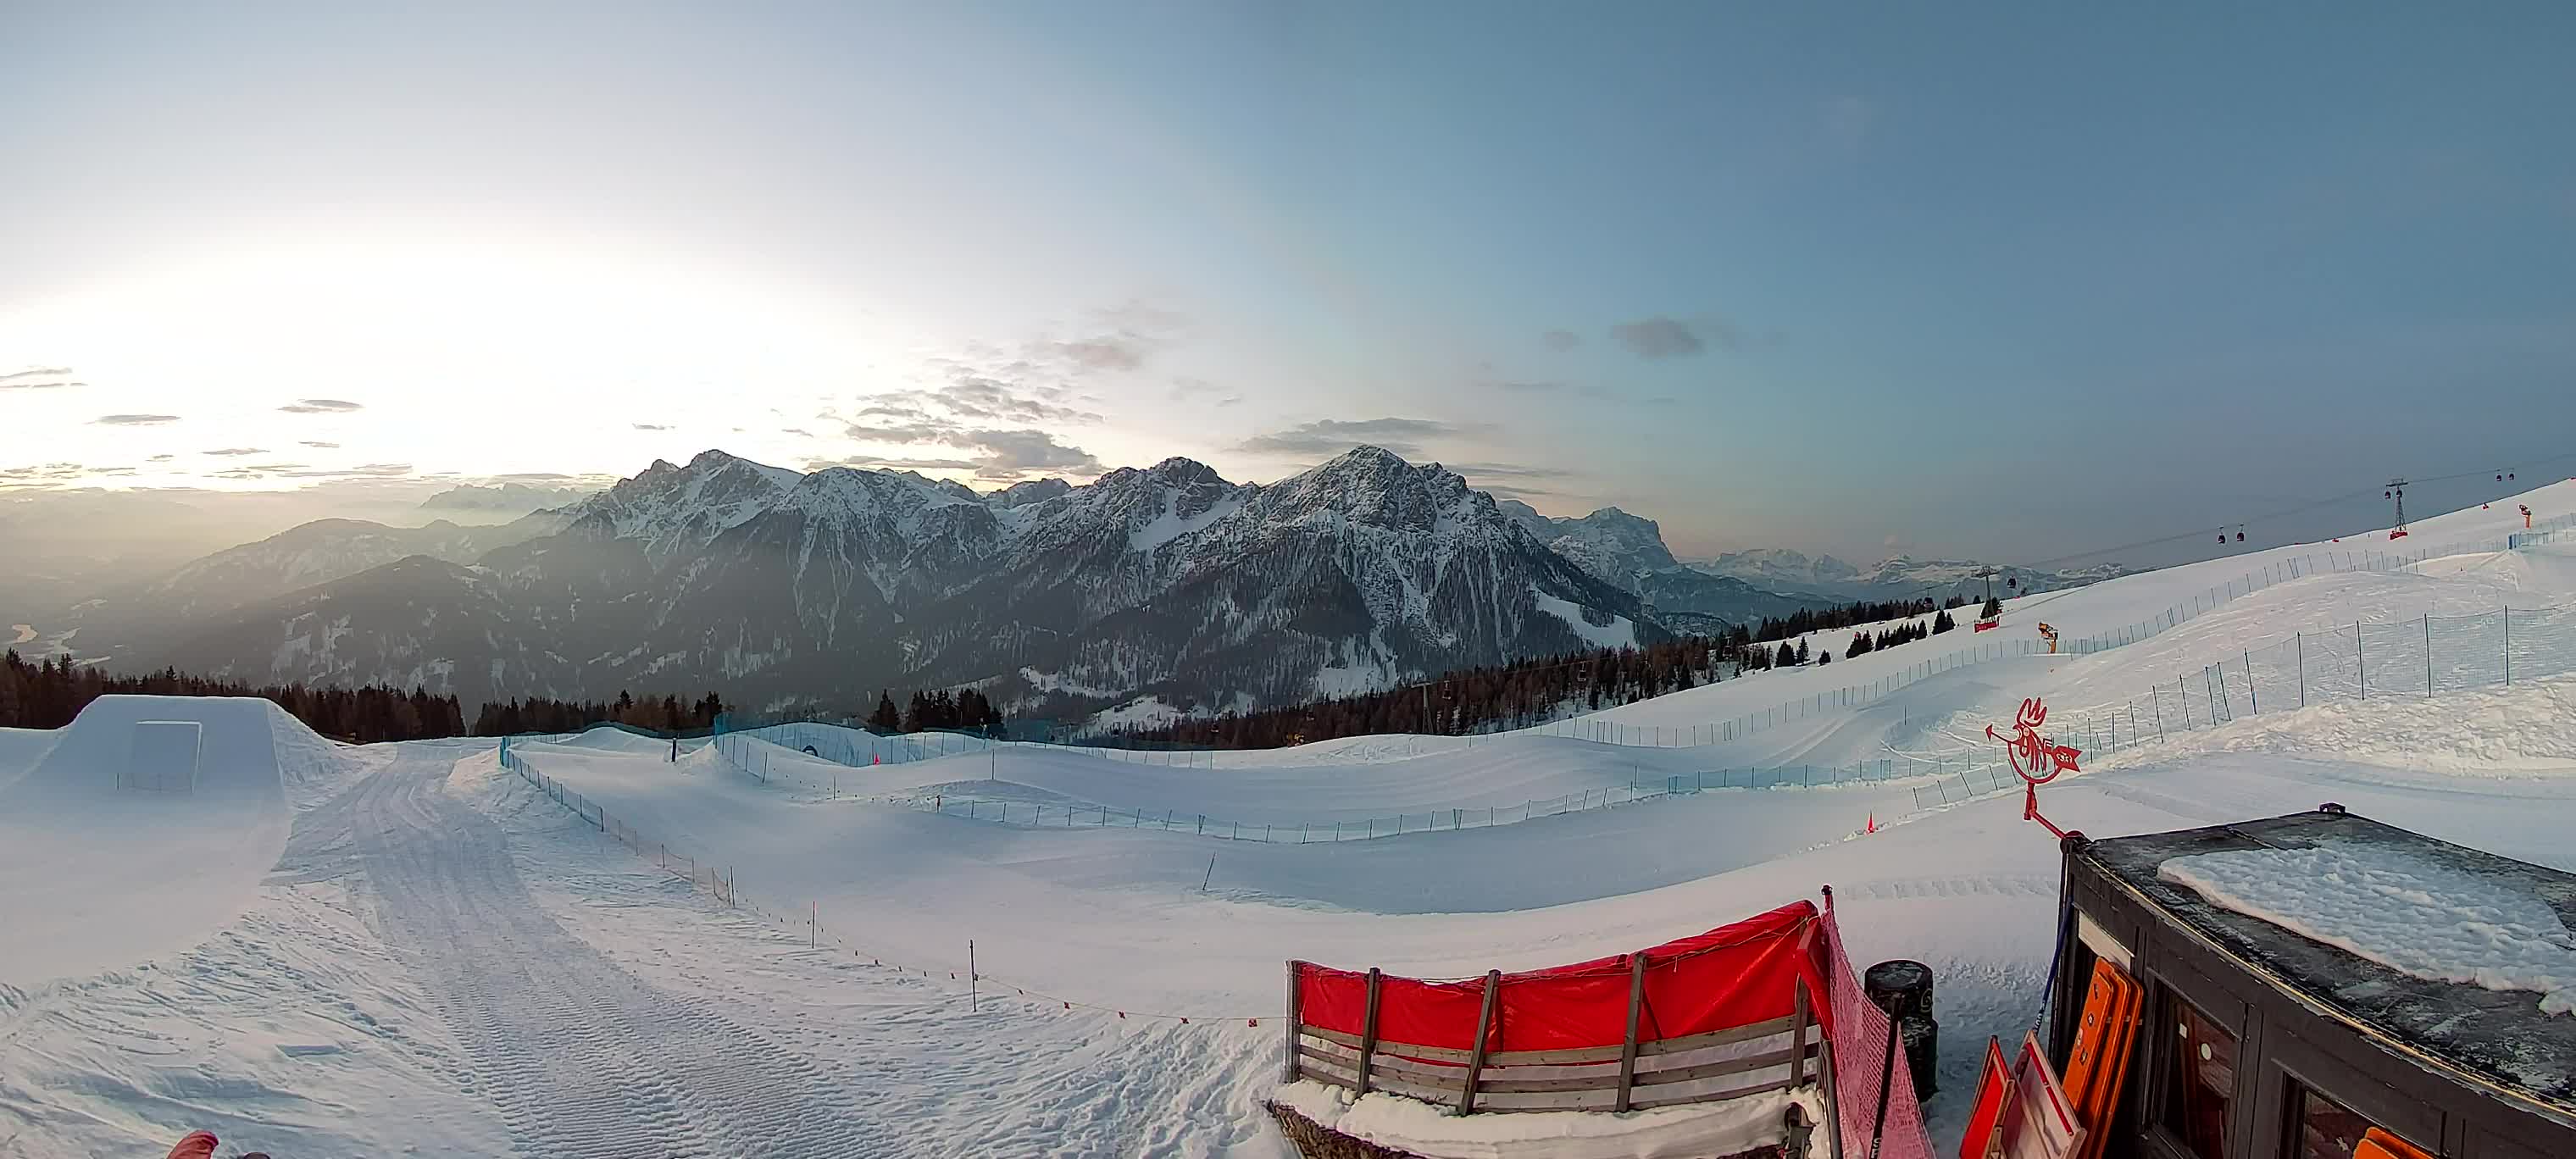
{"type": "Point", "coordinates": [412, 948]}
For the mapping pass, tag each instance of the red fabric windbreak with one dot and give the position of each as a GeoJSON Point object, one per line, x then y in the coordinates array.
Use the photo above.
{"type": "Point", "coordinates": [1734, 975]}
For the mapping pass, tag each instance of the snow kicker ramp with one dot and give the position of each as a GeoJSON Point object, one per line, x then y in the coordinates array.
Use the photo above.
{"type": "Point", "coordinates": [96, 874]}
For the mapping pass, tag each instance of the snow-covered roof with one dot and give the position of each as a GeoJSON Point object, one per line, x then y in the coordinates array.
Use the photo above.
{"type": "Point", "coordinates": [2281, 932]}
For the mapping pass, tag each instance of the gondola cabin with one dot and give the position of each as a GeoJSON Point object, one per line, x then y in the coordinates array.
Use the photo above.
{"type": "Point", "coordinates": [2284, 989]}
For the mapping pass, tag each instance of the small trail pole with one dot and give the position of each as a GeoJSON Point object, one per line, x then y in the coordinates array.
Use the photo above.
{"type": "Point", "coordinates": [974, 993]}
{"type": "Point", "coordinates": [1211, 874]}
{"type": "Point", "coordinates": [2508, 640]}
{"type": "Point", "coordinates": [2249, 683]}
{"type": "Point", "coordinates": [2428, 654]}
{"type": "Point", "coordinates": [2299, 640]}
{"type": "Point", "coordinates": [2360, 665]}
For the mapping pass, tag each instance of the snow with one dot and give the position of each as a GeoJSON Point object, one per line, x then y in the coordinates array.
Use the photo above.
{"type": "Point", "coordinates": [406, 948]}
{"type": "Point", "coordinates": [2399, 910]}
{"type": "Point", "coordinates": [1684, 1132]}
{"type": "Point", "coordinates": [1620, 632]}
{"type": "Point", "coordinates": [95, 874]}
{"type": "Point", "coordinates": [1170, 524]}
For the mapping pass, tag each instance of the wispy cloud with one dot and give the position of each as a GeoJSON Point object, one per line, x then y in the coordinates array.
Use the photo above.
{"type": "Point", "coordinates": [39, 378]}
{"type": "Point", "coordinates": [1560, 339]}
{"type": "Point", "coordinates": [648, 426]}
{"type": "Point", "coordinates": [320, 445]}
{"type": "Point", "coordinates": [1332, 436]}
{"type": "Point", "coordinates": [133, 420]}
{"type": "Point", "coordinates": [320, 406]}
{"type": "Point", "coordinates": [1659, 337]}
{"type": "Point", "coordinates": [224, 451]}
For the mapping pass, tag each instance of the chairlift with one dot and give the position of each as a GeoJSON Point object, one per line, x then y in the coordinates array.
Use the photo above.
{"type": "Point", "coordinates": [2240, 533]}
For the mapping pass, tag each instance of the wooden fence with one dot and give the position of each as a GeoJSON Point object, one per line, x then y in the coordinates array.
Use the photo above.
{"type": "Point", "coordinates": [1632, 1075]}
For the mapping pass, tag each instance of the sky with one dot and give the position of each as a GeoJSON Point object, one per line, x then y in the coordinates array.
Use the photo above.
{"type": "Point", "coordinates": [2014, 282]}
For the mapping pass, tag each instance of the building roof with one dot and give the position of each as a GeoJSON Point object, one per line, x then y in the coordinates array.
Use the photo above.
{"type": "Point", "coordinates": [2499, 1035]}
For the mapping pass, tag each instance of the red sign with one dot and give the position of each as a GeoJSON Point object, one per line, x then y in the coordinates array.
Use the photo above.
{"type": "Point", "coordinates": [1986, 625]}
{"type": "Point", "coordinates": [2035, 757]}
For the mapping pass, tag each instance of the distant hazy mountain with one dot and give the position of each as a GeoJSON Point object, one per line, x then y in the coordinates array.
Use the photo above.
{"type": "Point", "coordinates": [151, 614]}
{"type": "Point", "coordinates": [1897, 577]}
{"type": "Point", "coordinates": [778, 588]}
{"type": "Point", "coordinates": [504, 499]}
{"type": "Point", "coordinates": [1628, 551]}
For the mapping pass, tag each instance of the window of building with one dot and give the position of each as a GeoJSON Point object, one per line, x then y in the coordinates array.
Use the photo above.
{"type": "Point", "coordinates": [2320, 1127]}
{"type": "Point", "coordinates": [2200, 1079]}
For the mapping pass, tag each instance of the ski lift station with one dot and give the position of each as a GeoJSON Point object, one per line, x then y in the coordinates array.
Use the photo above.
{"type": "Point", "coordinates": [2311, 985]}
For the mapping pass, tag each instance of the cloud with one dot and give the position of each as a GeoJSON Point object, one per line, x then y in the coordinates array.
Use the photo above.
{"type": "Point", "coordinates": [321, 445]}
{"type": "Point", "coordinates": [1011, 454]}
{"type": "Point", "coordinates": [133, 420]}
{"type": "Point", "coordinates": [1333, 436]}
{"type": "Point", "coordinates": [880, 463]}
{"type": "Point", "coordinates": [160, 458]}
{"type": "Point", "coordinates": [320, 406]}
{"type": "Point", "coordinates": [39, 378]}
{"type": "Point", "coordinates": [648, 427]}
{"type": "Point", "coordinates": [986, 398]}
{"type": "Point", "coordinates": [1529, 387]}
{"type": "Point", "coordinates": [236, 451]}
{"type": "Point", "coordinates": [1560, 339]}
{"type": "Point", "coordinates": [799, 432]}
{"type": "Point", "coordinates": [258, 471]}
{"type": "Point", "coordinates": [1659, 337]}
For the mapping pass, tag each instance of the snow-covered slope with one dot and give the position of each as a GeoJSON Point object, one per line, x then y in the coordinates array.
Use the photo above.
{"type": "Point", "coordinates": [524, 979]}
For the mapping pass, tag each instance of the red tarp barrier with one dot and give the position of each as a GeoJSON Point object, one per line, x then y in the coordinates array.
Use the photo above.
{"type": "Point", "coordinates": [1734, 975]}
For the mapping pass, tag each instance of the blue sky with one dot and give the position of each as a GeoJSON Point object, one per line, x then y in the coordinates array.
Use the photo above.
{"type": "Point", "coordinates": [2012, 282]}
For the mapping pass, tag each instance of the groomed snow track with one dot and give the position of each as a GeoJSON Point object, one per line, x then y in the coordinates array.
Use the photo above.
{"type": "Point", "coordinates": [580, 1057]}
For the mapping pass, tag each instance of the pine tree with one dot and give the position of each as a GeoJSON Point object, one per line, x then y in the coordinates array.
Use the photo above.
{"type": "Point", "coordinates": [1994, 608]}
{"type": "Point", "coordinates": [885, 719]}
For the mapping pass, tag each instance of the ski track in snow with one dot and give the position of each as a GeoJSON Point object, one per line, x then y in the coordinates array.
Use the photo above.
{"type": "Point", "coordinates": [579, 1056]}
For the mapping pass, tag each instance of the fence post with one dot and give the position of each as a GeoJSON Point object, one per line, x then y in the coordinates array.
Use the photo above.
{"type": "Point", "coordinates": [2360, 664]}
{"type": "Point", "coordinates": [2183, 694]}
{"type": "Point", "coordinates": [2508, 645]}
{"type": "Point", "coordinates": [2299, 640]}
{"type": "Point", "coordinates": [1484, 1031]}
{"type": "Point", "coordinates": [1295, 1010]}
{"type": "Point", "coordinates": [2428, 654]}
{"type": "Point", "coordinates": [1368, 1031]}
{"type": "Point", "coordinates": [1637, 1007]}
{"type": "Point", "coordinates": [1797, 1044]}
{"type": "Point", "coordinates": [2250, 698]}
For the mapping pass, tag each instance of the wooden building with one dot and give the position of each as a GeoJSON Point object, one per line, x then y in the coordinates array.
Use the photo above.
{"type": "Point", "coordinates": [2253, 1042]}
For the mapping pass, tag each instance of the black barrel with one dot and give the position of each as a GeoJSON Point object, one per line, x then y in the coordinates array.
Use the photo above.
{"type": "Point", "coordinates": [1902, 987]}
{"type": "Point", "coordinates": [1922, 1040]}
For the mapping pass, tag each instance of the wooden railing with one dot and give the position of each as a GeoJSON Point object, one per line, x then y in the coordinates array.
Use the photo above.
{"type": "Point", "coordinates": [1630, 1075]}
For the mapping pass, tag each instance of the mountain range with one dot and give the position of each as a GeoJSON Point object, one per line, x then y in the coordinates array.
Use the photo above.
{"type": "Point", "coordinates": [784, 589]}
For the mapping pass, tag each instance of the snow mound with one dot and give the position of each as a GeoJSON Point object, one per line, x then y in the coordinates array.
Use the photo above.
{"type": "Point", "coordinates": [2405, 913]}
{"type": "Point", "coordinates": [94, 876]}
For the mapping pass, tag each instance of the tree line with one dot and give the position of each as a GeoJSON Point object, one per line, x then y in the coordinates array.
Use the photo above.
{"type": "Point", "coordinates": [1534, 691]}
{"type": "Point", "coordinates": [1517, 694]}
{"type": "Point", "coordinates": [964, 710]}
{"type": "Point", "coordinates": [546, 714]}
{"type": "Point", "coordinates": [50, 692]}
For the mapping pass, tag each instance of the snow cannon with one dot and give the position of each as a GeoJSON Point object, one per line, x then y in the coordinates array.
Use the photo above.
{"type": "Point", "coordinates": [1750, 1041]}
{"type": "Point", "coordinates": [2253, 989]}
